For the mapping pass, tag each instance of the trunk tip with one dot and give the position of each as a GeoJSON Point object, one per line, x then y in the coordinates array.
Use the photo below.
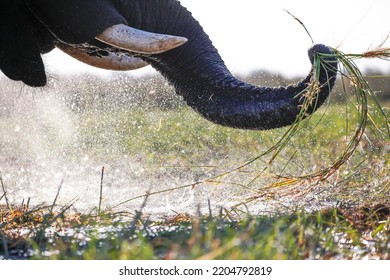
{"type": "Point", "coordinates": [319, 48]}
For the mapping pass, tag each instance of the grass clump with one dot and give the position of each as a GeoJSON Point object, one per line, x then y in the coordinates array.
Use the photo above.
{"type": "Point", "coordinates": [342, 233]}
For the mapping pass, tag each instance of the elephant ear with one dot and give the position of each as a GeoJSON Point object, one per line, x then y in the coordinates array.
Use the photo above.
{"type": "Point", "coordinates": [21, 44]}
{"type": "Point", "coordinates": [76, 21]}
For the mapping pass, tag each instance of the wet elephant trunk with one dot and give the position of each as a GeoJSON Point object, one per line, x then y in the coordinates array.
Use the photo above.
{"type": "Point", "coordinates": [199, 74]}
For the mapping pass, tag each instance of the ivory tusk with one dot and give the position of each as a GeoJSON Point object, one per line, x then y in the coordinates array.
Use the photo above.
{"type": "Point", "coordinates": [112, 61]}
{"type": "Point", "coordinates": [139, 41]}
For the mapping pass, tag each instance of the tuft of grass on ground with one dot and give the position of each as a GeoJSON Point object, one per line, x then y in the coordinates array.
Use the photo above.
{"type": "Point", "coordinates": [334, 233]}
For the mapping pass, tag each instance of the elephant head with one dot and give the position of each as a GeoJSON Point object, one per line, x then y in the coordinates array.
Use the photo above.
{"type": "Point", "coordinates": [127, 34]}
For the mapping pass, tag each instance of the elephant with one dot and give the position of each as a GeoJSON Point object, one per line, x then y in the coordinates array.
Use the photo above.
{"type": "Point", "coordinates": [128, 34]}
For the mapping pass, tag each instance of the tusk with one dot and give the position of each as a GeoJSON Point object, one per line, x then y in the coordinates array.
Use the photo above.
{"type": "Point", "coordinates": [139, 41]}
{"type": "Point", "coordinates": [112, 61]}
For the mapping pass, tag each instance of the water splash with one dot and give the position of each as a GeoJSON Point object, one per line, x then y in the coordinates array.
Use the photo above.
{"type": "Point", "coordinates": [46, 142]}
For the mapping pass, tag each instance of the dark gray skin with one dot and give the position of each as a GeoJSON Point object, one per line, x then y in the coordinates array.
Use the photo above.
{"type": "Point", "coordinates": [29, 28]}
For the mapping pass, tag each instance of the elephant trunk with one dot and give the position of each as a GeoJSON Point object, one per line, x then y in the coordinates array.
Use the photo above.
{"type": "Point", "coordinates": [230, 102]}
{"type": "Point", "coordinates": [199, 74]}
